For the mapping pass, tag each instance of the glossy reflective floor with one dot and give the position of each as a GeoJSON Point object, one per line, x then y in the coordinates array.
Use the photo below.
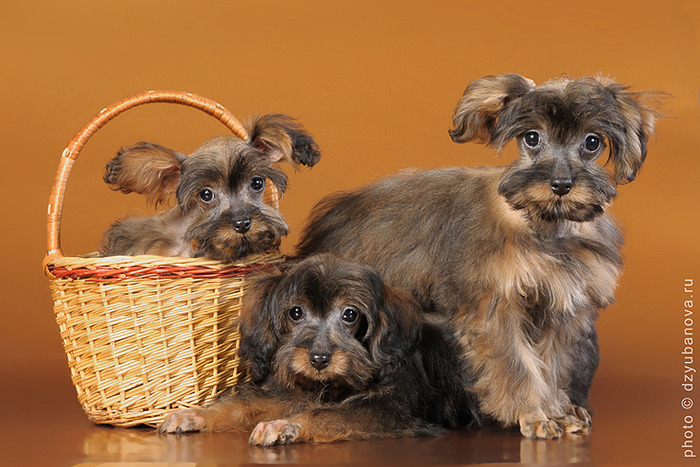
{"type": "Point", "coordinates": [638, 421]}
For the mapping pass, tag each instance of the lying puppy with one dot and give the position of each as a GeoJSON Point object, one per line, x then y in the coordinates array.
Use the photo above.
{"type": "Point", "coordinates": [335, 354]}
{"type": "Point", "coordinates": [220, 211]}
{"type": "Point", "coordinates": [520, 258]}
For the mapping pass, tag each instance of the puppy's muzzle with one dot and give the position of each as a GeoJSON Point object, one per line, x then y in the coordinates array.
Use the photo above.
{"type": "Point", "coordinates": [319, 360]}
{"type": "Point", "coordinates": [561, 186]}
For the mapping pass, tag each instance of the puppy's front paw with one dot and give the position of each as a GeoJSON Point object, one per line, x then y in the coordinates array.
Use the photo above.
{"type": "Point", "coordinates": [580, 413]}
{"type": "Point", "coordinates": [541, 429]}
{"type": "Point", "coordinates": [183, 421]}
{"type": "Point", "coordinates": [577, 420]}
{"type": "Point", "coordinates": [572, 424]}
{"type": "Point", "coordinates": [275, 432]}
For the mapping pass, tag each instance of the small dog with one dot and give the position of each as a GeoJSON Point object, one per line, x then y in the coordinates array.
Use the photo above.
{"type": "Point", "coordinates": [220, 211]}
{"type": "Point", "coordinates": [335, 354]}
{"type": "Point", "coordinates": [520, 258]}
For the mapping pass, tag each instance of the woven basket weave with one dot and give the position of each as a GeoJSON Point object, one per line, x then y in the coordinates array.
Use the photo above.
{"type": "Point", "coordinates": [146, 335]}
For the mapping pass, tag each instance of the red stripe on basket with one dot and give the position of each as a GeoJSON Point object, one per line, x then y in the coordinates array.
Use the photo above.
{"type": "Point", "coordinates": [154, 272]}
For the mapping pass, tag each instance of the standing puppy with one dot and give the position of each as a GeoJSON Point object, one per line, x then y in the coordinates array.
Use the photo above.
{"type": "Point", "coordinates": [220, 211]}
{"type": "Point", "coordinates": [519, 257]}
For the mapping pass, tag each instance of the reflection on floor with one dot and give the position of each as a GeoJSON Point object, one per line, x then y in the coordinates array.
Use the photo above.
{"type": "Point", "coordinates": [636, 422]}
{"type": "Point", "coordinates": [490, 445]}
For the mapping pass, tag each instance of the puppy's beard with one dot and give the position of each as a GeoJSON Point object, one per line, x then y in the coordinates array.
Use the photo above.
{"type": "Point", "coordinates": [580, 205]}
{"type": "Point", "coordinates": [528, 191]}
{"type": "Point", "coordinates": [347, 370]}
{"type": "Point", "coordinates": [219, 240]}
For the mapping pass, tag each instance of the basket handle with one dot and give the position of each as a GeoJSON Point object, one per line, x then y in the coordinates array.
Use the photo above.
{"type": "Point", "coordinates": [70, 153]}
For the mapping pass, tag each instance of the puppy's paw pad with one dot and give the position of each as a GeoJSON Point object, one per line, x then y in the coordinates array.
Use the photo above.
{"type": "Point", "coordinates": [541, 429]}
{"type": "Point", "coordinates": [275, 432]}
{"type": "Point", "coordinates": [183, 421]}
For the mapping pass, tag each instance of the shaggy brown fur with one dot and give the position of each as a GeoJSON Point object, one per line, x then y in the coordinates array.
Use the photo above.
{"type": "Point", "coordinates": [520, 258]}
{"type": "Point", "coordinates": [335, 354]}
{"type": "Point", "coordinates": [219, 188]}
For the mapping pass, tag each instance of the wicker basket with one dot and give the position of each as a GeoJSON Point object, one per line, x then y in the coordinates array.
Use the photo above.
{"type": "Point", "coordinates": [146, 335]}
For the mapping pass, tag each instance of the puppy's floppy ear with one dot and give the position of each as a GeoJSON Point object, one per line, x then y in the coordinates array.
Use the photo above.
{"type": "Point", "coordinates": [639, 111]}
{"type": "Point", "coordinates": [397, 331]}
{"type": "Point", "coordinates": [282, 138]}
{"type": "Point", "coordinates": [479, 108]}
{"type": "Point", "coordinates": [145, 168]}
{"type": "Point", "coordinates": [259, 335]}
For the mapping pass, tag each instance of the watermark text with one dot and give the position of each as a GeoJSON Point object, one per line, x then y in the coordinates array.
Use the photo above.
{"type": "Point", "coordinates": [689, 368]}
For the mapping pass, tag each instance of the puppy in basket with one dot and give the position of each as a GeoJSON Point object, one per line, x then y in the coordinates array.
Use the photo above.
{"type": "Point", "coordinates": [520, 258]}
{"type": "Point", "coordinates": [336, 354]}
{"type": "Point", "coordinates": [219, 189]}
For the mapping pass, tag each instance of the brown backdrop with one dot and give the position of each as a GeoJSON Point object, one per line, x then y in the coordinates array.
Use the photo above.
{"type": "Point", "coordinates": [375, 83]}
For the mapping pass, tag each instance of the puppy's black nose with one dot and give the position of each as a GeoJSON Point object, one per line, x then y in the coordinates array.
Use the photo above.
{"type": "Point", "coordinates": [242, 225]}
{"type": "Point", "coordinates": [561, 186]}
{"type": "Point", "coordinates": [320, 361]}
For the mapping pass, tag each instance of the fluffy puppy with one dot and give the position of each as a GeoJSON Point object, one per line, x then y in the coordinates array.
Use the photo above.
{"type": "Point", "coordinates": [335, 354]}
{"type": "Point", "coordinates": [519, 258]}
{"type": "Point", "coordinates": [219, 188]}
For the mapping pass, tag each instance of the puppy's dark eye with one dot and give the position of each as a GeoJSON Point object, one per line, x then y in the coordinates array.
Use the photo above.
{"type": "Point", "coordinates": [592, 143]}
{"type": "Point", "coordinates": [350, 315]}
{"type": "Point", "coordinates": [531, 139]}
{"type": "Point", "coordinates": [206, 195]}
{"type": "Point", "coordinates": [296, 314]}
{"type": "Point", "coordinates": [257, 184]}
